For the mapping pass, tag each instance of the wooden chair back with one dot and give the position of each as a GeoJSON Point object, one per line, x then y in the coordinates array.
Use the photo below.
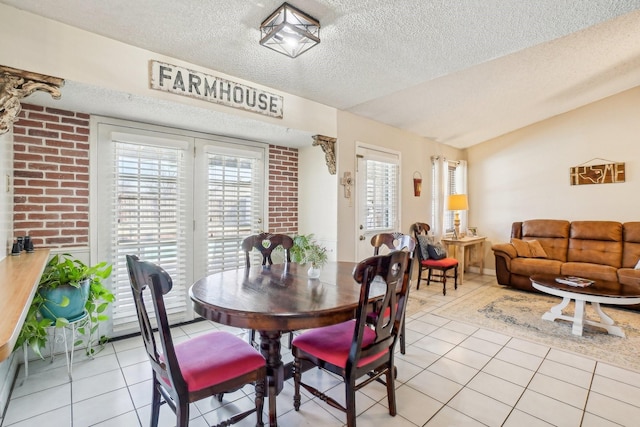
{"type": "Point", "coordinates": [393, 241]}
{"type": "Point", "coordinates": [265, 243]}
{"type": "Point", "coordinates": [394, 270]}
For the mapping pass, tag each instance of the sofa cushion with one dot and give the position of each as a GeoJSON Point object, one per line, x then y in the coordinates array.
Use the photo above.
{"type": "Point", "coordinates": [423, 243]}
{"type": "Point", "coordinates": [631, 238]}
{"type": "Point", "coordinates": [529, 248]}
{"type": "Point", "coordinates": [553, 235]}
{"type": "Point", "coordinates": [531, 266]}
{"type": "Point", "coordinates": [590, 271]}
{"type": "Point", "coordinates": [596, 242]}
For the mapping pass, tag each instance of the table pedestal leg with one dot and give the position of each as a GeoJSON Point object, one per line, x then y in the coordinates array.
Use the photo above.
{"type": "Point", "coordinates": [270, 349]}
{"type": "Point", "coordinates": [578, 318]}
{"type": "Point", "coordinates": [556, 311]}
{"type": "Point", "coordinates": [607, 322]}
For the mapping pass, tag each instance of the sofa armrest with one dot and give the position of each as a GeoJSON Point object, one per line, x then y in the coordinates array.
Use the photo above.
{"type": "Point", "coordinates": [504, 253]}
{"type": "Point", "coordinates": [506, 250]}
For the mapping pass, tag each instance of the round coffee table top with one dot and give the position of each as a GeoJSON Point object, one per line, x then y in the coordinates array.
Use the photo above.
{"type": "Point", "coordinates": [599, 288]}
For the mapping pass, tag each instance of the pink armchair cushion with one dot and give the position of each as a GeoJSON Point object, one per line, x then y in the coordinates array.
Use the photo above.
{"type": "Point", "coordinates": [332, 343]}
{"type": "Point", "coordinates": [440, 263]}
{"type": "Point", "coordinates": [215, 357]}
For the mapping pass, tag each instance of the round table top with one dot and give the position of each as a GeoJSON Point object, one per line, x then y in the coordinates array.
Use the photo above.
{"type": "Point", "coordinates": [599, 288]}
{"type": "Point", "coordinates": [279, 297]}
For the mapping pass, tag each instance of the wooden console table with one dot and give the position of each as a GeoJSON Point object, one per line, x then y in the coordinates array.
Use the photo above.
{"type": "Point", "coordinates": [462, 255]}
{"type": "Point", "coordinates": [19, 277]}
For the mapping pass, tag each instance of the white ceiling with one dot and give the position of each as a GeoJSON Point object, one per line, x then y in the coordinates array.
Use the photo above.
{"type": "Point", "coordinates": [459, 72]}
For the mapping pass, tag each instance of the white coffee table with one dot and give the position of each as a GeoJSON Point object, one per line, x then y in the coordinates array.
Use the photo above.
{"type": "Point", "coordinates": [600, 292]}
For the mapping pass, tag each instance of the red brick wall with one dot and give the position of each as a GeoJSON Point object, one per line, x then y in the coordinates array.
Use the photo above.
{"type": "Point", "coordinates": [51, 176]}
{"type": "Point", "coordinates": [283, 190]}
{"type": "Point", "coordinates": [51, 179]}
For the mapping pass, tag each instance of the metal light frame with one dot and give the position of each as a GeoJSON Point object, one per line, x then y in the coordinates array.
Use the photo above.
{"type": "Point", "coordinates": [290, 31]}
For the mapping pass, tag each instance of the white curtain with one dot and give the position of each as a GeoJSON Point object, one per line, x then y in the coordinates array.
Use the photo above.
{"type": "Point", "coordinates": [461, 188]}
{"type": "Point", "coordinates": [438, 205]}
{"type": "Point", "coordinates": [449, 177]}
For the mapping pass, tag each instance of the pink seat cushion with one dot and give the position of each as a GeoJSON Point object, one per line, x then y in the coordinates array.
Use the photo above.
{"type": "Point", "coordinates": [440, 263]}
{"type": "Point", "coordinates": [214, 358]}
{"type": "Point", "coordinates": [332, 343]}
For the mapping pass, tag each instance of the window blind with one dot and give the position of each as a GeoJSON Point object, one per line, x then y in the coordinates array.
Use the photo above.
{"type": "Point", "coordinates": [235, 193]}
{"type": "Point", "coordinates": [149, 204]}
{"type": "Point", "coordinates": [381, 194]}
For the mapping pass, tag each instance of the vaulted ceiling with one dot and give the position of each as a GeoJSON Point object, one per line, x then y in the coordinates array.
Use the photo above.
{"type": "Point", "coordinates": [458, 72]}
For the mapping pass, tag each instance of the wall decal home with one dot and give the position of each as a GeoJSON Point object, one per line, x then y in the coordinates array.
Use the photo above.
{"type": "Point", "coordinates": [597, 174]}
{"type": "Point", "coordinates": [182, 81]}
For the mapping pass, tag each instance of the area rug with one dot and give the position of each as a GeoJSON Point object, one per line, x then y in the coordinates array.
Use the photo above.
{"type": "Point", "coordinates": [519, 314]}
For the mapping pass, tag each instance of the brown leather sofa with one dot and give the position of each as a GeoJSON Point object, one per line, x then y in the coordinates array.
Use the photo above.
{"type": "Point", "coordinates": [605, 250]}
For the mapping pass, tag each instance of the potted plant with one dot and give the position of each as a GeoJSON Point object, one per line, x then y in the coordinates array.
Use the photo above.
{"type": "Point", "coordinates": [68, 289]}
{"type": "Point", "coordinates": [306, 250]}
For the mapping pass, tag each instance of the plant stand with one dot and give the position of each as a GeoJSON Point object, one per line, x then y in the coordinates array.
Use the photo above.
{"type": "Point", "coordinates": [73, 327]}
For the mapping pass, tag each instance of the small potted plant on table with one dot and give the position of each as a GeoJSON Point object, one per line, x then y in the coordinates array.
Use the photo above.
{"type": "Point", "coordinates": [306, 250]}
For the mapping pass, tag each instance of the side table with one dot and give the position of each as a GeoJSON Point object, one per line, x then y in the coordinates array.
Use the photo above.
{"type": "Point", "coordinates": [463, 256]}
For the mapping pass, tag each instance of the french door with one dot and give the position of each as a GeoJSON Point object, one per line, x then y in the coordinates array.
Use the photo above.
{"type": "Point", "coordinates": [378, 195]}
{"type": "Point", "coordinates": [182, 200]}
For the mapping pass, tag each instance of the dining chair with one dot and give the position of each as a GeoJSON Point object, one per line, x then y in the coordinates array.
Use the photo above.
{"type": "Point", "coordinates": [421, 230]}
{"type": "Point", "coordinates": [266, 243]}
{"type": "Point", "coordinates": [355, 349]}
{"type": "Point", "coordinates": [395, 242]}
{"type": "Point", "coordinates": [208, 365]}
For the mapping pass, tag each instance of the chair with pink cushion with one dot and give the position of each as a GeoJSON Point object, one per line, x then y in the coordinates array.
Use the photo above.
{"type": "Point", "coordinates": [395, 242]}
{"type": "Point", "coordinates": [443, 265]}
{"type": "Point", "coordinates": [208, 365]}
{"type": "Point", "coordinates": [356, 350]}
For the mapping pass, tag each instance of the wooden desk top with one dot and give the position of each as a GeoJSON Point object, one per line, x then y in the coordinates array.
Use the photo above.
{"type": "Point", "coordinates": [19, 277]}
{"type": "Point", "coordinates": [280, 297]}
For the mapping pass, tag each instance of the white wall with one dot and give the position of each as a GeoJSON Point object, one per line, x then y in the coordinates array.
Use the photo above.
{"type": "Point", "coordinates": [525, 174]}
{"type": "Point", "coordinates": [317, 195]}
{"type": "Point", "coordinates": [6, 193]}
{"type": "Point", "coordinates": [416, 155]}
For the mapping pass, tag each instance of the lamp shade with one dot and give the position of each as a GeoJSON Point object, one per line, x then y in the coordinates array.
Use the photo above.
{"type": "Point", "coordinates": [457, 202]}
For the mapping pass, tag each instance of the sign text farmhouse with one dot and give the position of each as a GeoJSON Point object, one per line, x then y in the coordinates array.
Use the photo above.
{"type": "Point", "coordinates": [180, 80]}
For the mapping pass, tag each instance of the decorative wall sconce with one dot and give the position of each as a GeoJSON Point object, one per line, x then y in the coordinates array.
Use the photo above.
{"type": "Point", "coordinates": [290, 31]}
{"type": "Point", "coordinates": [417, 183]}
{"type": "Point", "coordinates": [328, 145]}
{"type": "Point", "coordinates": [18, 84]}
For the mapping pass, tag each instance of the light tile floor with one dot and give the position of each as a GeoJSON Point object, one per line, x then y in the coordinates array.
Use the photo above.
{"type": "Point", "coordinates": [453, 374]}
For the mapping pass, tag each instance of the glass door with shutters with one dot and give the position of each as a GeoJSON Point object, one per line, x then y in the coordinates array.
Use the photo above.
{"type": "Point", "coordinates": [378, 195]}
{"type": "Point", "coordinates": [182, 202]}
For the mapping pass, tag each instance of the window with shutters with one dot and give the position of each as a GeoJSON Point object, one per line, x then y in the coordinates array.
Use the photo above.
{"type": "Point", "coordinates": [180, 201]}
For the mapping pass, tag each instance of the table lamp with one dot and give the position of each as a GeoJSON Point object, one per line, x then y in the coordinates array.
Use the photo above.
{"type": "Point", "coordinates": [457, 203]}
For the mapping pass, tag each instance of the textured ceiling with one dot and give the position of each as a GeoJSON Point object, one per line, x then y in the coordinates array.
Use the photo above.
{"type": "Point", "coordinates": [458, 72]}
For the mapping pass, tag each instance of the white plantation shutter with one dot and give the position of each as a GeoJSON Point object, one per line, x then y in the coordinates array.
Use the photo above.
{"type": "Point", "coordinates": [235, 203]}
{"type": "Point", "coordinates": [149, 220]}
{"type": "Point", "coordinates": [381, 194]}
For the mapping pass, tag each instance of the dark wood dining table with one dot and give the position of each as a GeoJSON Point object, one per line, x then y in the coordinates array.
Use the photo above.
{"type": "Point", "coordinates": [274, 300]}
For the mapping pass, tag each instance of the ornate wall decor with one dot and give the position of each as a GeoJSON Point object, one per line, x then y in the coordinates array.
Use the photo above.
{"type": "Point", "coordinates": [606, 173]}
{"type": "Point", "coordinates": [17, 84]}
{"type": "Point", "coordinates": [329, 147]}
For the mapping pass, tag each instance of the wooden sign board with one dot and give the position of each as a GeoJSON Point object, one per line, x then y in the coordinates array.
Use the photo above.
{"type": "Point", "coordinates": [597, 174]}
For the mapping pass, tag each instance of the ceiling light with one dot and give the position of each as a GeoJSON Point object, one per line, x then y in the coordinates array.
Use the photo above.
{"type": "Point", "coordinates": [290, 31]}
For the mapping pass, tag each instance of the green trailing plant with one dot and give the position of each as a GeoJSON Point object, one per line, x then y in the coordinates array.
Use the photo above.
{"type": "Point", "coordinates": [66, 270]}
{"type": "Point", "coordinates": [307, 250]}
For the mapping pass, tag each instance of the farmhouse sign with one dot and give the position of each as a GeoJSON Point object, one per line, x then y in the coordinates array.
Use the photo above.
{"type": "Point", "coordinates": [182, 81]}
{"type": "Point", "coordinates": [597, 174]}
